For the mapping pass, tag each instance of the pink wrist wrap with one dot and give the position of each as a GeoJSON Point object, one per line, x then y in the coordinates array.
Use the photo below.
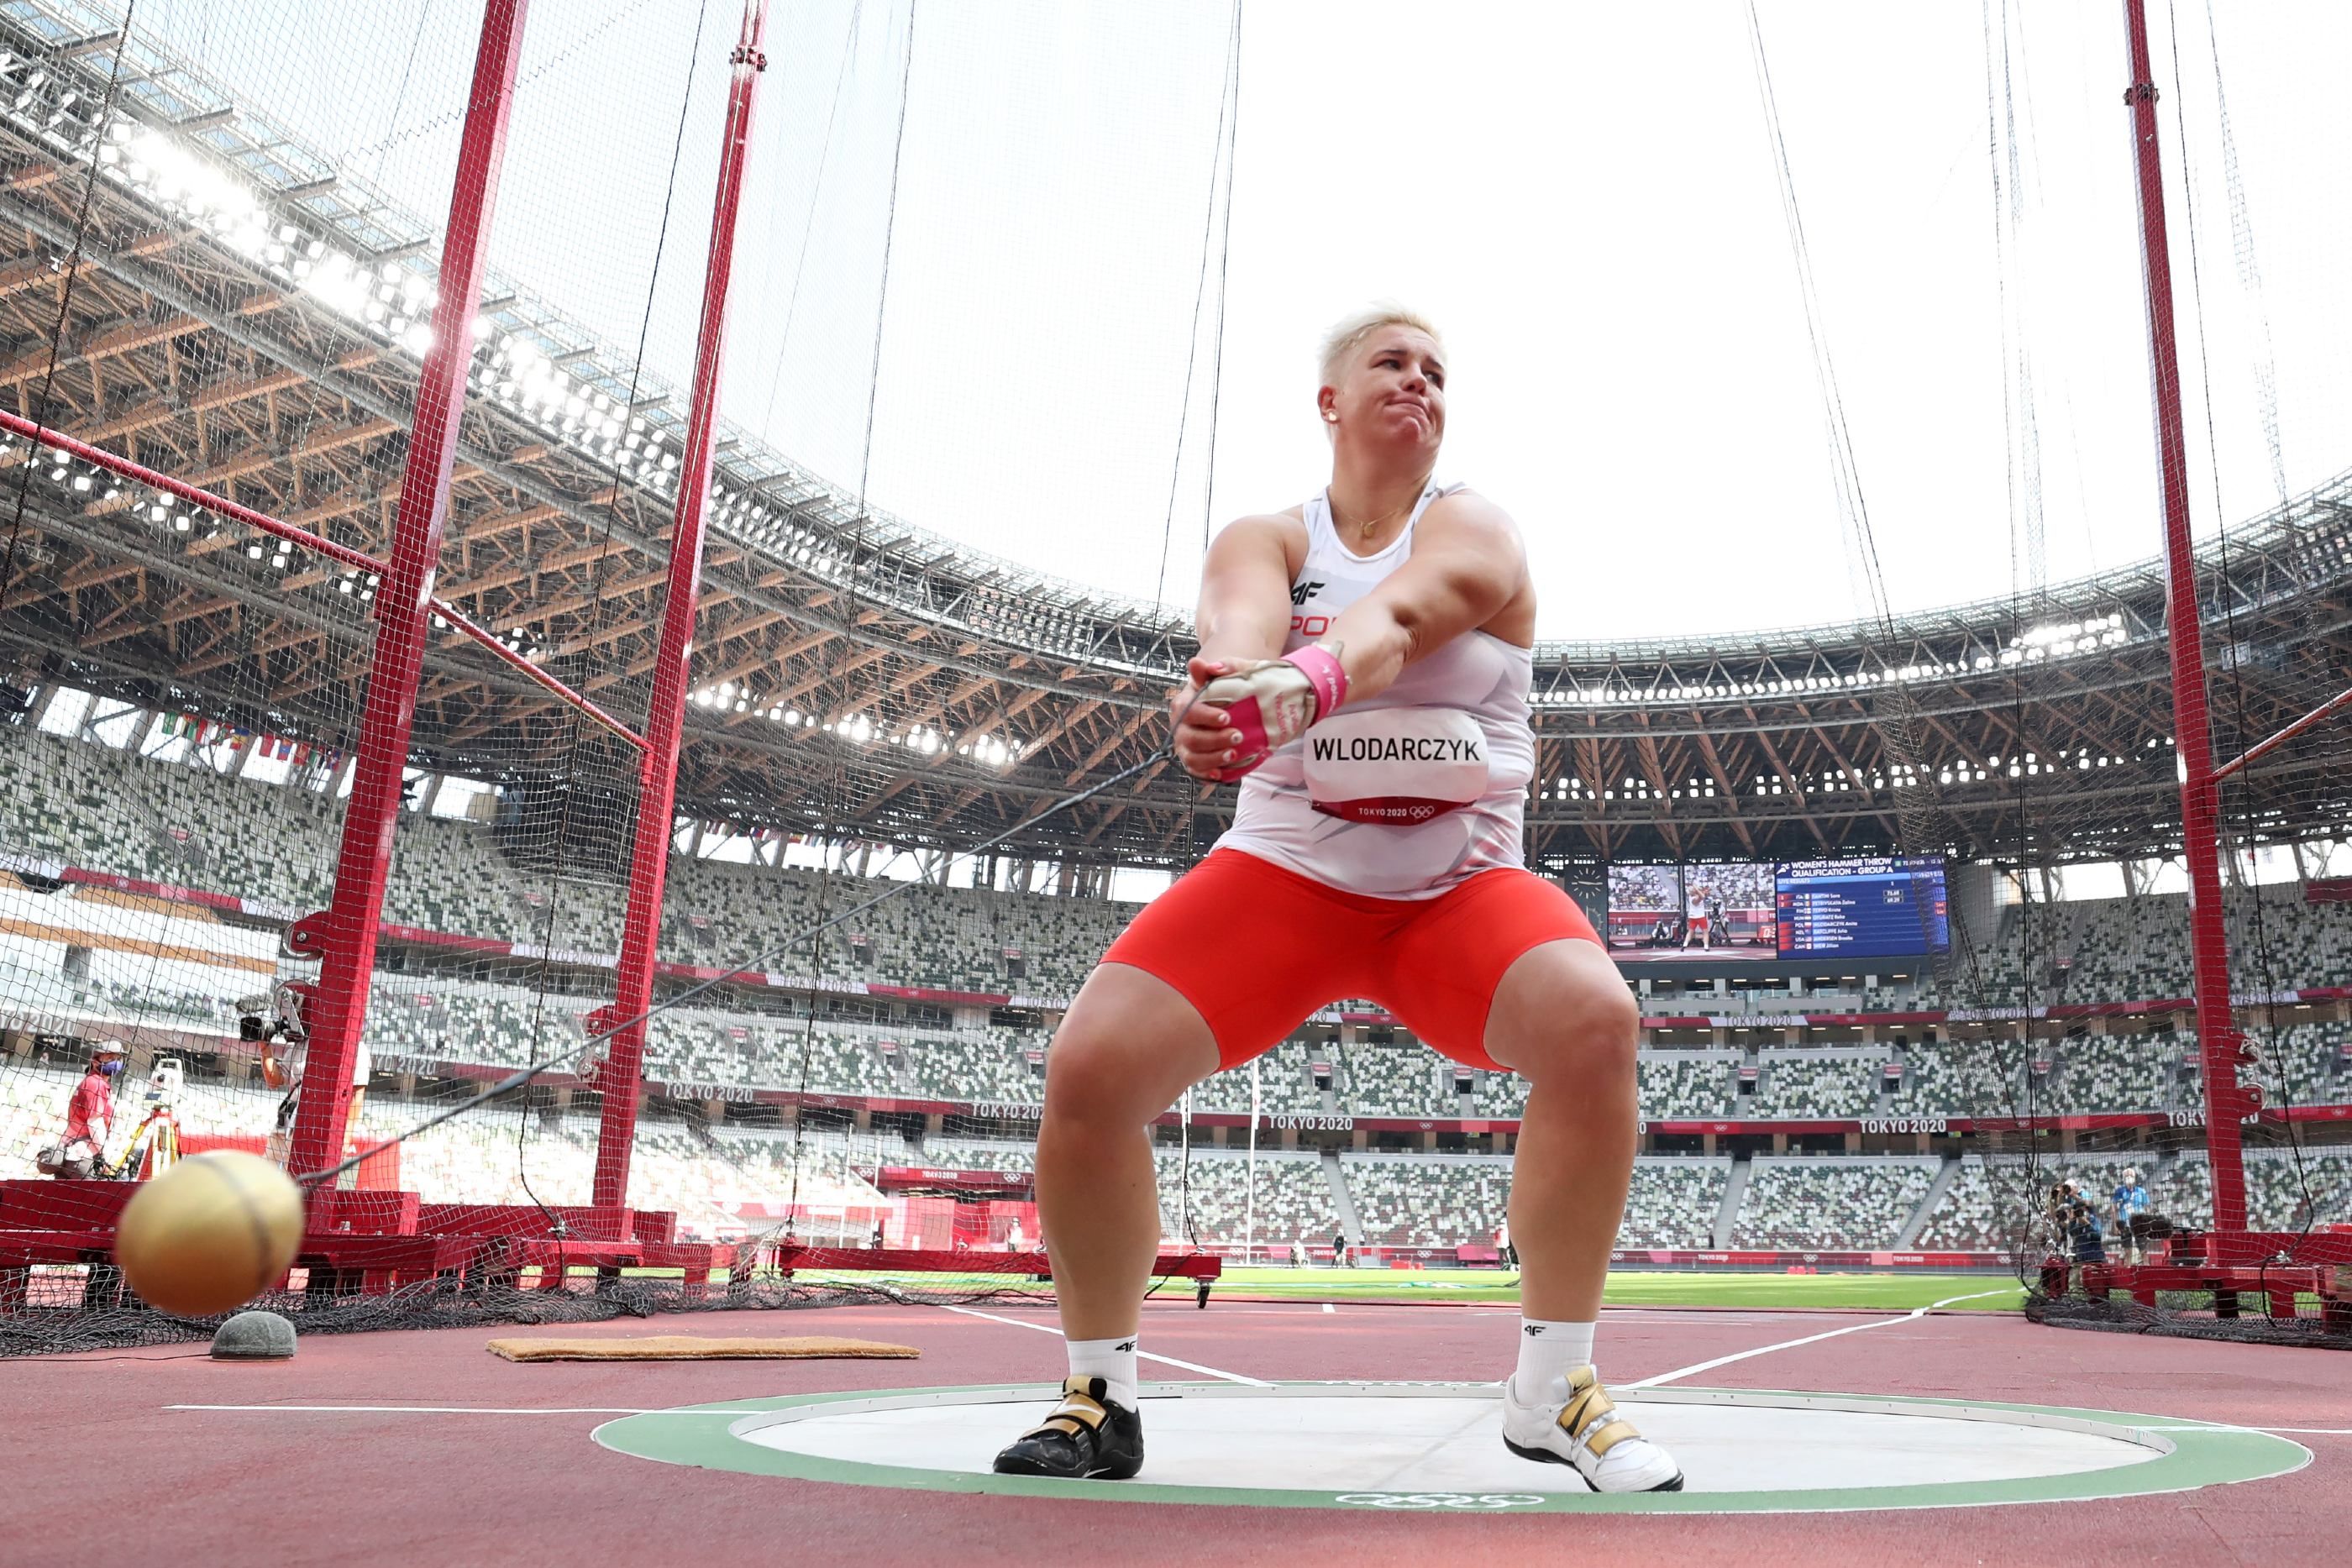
{"type": "Point", "coordinates": [1323, 671]}
{"type": "Point", "coordinates": [1270, 710]}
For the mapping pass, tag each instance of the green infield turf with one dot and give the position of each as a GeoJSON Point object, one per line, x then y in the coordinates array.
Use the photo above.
{"type": "Point", "coordinates": [1860, 1292]}
{"type": "Point", "coordinates": [1890, 1292]}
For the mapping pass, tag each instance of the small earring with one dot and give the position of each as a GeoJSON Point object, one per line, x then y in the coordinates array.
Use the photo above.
{"type": "Point", "coordinates": [1330, 418]}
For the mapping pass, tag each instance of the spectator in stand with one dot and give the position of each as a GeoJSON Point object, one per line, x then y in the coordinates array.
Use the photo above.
{"type": "Point", "coordinates": [2128, 1206]}
{"type": "Point", "coordinates": [89, 1115]}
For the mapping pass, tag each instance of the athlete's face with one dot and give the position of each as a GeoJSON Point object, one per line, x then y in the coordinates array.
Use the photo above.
{"type": "Point", "coordinates": [1394, 389]}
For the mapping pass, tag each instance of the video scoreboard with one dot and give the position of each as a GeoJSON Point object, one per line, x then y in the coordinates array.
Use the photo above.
{"type": "Point", "coordinates": [1888, 907]}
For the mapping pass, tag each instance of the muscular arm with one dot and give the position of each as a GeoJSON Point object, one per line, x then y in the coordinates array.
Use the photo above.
{"type": "Point", "coordinates": [1245, 606]}
{"type": "Point", "coordinates": [1467, 565]}
{"type": "Point", "coordinates": [1244, 617]}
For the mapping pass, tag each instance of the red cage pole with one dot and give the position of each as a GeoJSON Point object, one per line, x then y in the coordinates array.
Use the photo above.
{"type": "Point", "coordinates": [2217, 1030]}
{"type": "Point", "coordinates": [344, 937]}
{"type": "Point", "coordinates": [673, 663]}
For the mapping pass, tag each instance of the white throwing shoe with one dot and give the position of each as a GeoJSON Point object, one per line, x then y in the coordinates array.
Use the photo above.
{"type": "Point", "coordinates": [1584, 1431]}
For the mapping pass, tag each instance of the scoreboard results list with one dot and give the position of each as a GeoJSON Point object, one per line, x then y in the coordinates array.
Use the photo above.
{"type": "Point", "coordinates": [1886, 907]}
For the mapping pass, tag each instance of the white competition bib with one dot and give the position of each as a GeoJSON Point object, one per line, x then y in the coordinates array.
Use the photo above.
{"type": "Point", "coordinates": [1399, 765]}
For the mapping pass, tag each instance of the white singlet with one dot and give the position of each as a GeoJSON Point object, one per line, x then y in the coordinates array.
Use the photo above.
{"type": "Point", "coordinates": [1476, 675]}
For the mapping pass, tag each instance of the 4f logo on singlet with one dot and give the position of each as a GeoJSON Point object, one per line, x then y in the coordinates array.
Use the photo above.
{"type": "Point", "coordinates": [1308, 625]}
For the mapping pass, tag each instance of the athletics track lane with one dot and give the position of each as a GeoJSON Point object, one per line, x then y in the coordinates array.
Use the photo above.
{"type": "Point", "coordinates": [287, 1486]}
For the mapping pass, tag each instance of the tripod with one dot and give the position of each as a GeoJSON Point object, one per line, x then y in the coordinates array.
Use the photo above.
{"type": "Point", "coordinates": [154, 1149]}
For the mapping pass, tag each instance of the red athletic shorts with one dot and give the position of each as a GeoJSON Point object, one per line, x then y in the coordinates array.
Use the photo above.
{"type": "Point", "coordinates": [1257, 949]}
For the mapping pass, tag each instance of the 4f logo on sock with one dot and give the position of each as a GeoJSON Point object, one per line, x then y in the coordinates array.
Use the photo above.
{"type": "Point", "coordinates": [1531, 1330]}
{"type": "Point", "coordinates": [1125, 1346]}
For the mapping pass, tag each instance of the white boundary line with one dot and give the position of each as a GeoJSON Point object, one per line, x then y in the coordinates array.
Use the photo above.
{"type": "Point", "coordinates": [695, 1410]}
{"type": "Point", "coordinates": [1140, 1355]}
{"type": "Point", "coordinates": [1683, 1372]}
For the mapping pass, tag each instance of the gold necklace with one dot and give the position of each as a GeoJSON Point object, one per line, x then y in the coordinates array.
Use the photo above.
{"type": "Point", "coordinates": [1364, 530]}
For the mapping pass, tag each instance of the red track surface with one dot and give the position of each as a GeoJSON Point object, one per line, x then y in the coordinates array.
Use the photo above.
{"type": "Point", "coordinates": [292, 1487]}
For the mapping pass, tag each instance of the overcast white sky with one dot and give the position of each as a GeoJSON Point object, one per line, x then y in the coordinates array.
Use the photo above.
{"type": "Point", "coordinates": [1582, 194]}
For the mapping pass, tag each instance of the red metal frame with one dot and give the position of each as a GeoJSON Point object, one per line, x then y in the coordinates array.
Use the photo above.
{"type": "Point", "coordinates": [2217, 1032]}
{"type": "Point", "coordinates": [461, 621]}
{"type": "Point", "coordinates": [99, 457]}
{"type": "Point", "coordinates": [673, 663]}
{"type": "Point", "coordinates": [303, 538]}
{"type": "Point", "coordinates": [2275, 1269]}
{"type": "Point", "coordinates": [2253, 753]}
{"type": "Point", "coordinates": [345, 939]}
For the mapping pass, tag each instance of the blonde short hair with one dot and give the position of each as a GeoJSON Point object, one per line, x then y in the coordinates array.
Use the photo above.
{"type": "Point", "coordinates": [1347, 334]}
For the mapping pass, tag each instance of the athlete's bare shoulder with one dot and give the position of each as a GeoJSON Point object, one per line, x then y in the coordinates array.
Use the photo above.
{"type": "Point", "coordinates": [1466, 521]}
{"type": "Point", "coordinates": [1464, 508]}
{"type": "Point", "coordinates": [1284, 531]}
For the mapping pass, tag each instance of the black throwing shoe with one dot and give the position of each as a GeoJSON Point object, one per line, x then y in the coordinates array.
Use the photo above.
{"type": "Point", "coordinates": [1085, 1438]}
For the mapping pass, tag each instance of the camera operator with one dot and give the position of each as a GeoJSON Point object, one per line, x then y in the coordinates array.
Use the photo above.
{"type": "Point", "coordinates": [2084, 1228]}
{"type": "Point", "coordinates": [279, 1073]}
{"type": "Point", "coordinates": [2054, 1219]}
{"type": "Point", "coordinates": [2074, 1229]}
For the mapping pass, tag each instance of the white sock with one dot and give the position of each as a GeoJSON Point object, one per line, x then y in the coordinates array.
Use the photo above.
{"type": "Point", "coordinates": [1112, 1360]}
{"type": "Point", "coordinates": [1548, 1351]}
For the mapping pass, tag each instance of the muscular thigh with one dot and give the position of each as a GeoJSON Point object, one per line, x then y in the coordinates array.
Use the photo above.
{"type": "Point", "coordinates": [1563, 1011]}
{"type": "Point", "coordinates": [1445, 968]}
{"type": "Point", "coordinates": [1253, 949]}
{"type": "Point", "coordinates": [1129, 1045]}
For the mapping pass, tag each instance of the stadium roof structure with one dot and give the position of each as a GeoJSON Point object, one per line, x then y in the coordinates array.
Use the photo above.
{"type": "Point", "coordinates": [942, 695]}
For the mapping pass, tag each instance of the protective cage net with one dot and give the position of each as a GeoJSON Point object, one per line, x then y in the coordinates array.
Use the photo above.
{"type": "Point", "coordinates": [2071, 1040]}
{"type": "Point", "coordinates": [222, 265]}
{"type": "Point", "coordinates": [226, 231]}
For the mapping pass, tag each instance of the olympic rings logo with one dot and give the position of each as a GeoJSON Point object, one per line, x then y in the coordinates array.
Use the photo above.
{"type": "Point", "coordinates": [1487, 1503]}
